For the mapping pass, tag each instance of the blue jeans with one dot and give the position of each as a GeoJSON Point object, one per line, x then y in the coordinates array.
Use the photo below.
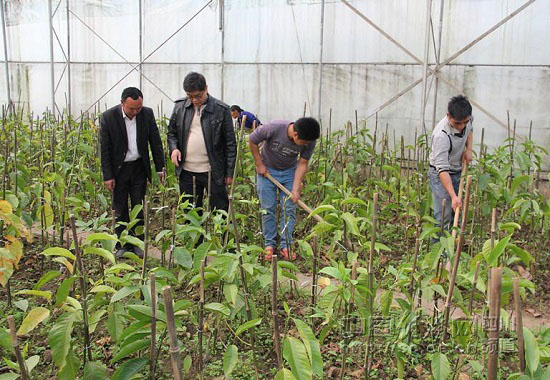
{"type": "Point", "coordinates": [267, 191]}
{"type": "Point", "coordinates": [439, 193]}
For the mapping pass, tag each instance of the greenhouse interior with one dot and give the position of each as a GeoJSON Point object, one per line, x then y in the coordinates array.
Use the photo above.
{"type": "Point", "coordinates": [275, 189]}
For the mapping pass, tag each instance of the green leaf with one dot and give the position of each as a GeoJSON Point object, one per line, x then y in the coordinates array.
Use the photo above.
{"type": "Point", "coordinates": [94, 319]}
{"type": "Point", "coordinates": [441, 369]}
{"type": "Point", "coordinates": [59, 338]}
{"type": "Point", "coordinates": [95, 371]}
{"type": "Point", "coordinates": [124, 292]}
{"type": "Point", "coordinates": [296, 355]}
{"type": "Point", "coordinates": [183, 258]}
{"type": "Point", "coordinates": [532, 353]}
{"type": "Point", "coordinates": [139, 311]}
{"type": "Point", "coordinates": [5, 340]}
{"type": "Point", "coordinates": [69, 371]}
{"type": "Point", "coordinates": [385, 302]}
{"type": "Point", "coordinates": [321, 209]}
{"type": "Point", "coordinates": [492, 258]}
{"type": "Point", "coordinates": [48, 276]}
{"type": "Point", "coordinates": [199, 254]}
{"type": "Point", "coordinates": [187, 363]}
{"type": "Point", "coordinates": [102, 289]}
{"type": "Point", "coordinates": [230, 291]}
{"type": "Point", "coordinates": [284, 374]}
{"type": "Point", "coordinates": [230, 359]}
{"type": "Point", "coordinates": [32, 319]}
{"type": "Point", "coordinates": [102, 252]}
{"type": "Point", "coordinates": [32, 362]}
{"type": "Point", "coordinates": [331, 271]}
{"type": "Point", "coordinates": [130, 348]}
{"type": "Point", "coordinates": [247, 325]}
{"type": "Point", "coordinates": [58, 251]}
{"type": "Point", "coordinates": [37, 293]}
{"type": "Point", "coordinates": [127, 370]}
{"type": "Point", "coordinates": [63, 290]}
{"type": "Point", "coordinates": [9, 376]}
{"type": "Point", "coordinates": [99, 236]}
{"type": "Point", "coordinates": [312, 346]}
{"type": "Point", "coordinates": [129, 239]}
{"type": "Point", "coordinates": [288, 265]}
{"type": "Point", "coordinates": [218, 307]}
{"type": "Point", "coordinates": [22, 305]}
{"type": "Point", "coordinates": [351, 223]}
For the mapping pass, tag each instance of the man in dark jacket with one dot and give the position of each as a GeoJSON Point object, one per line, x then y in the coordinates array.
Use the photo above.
{"type": "Point", "coordinates": [127, 131]}
{"type": "Point", "coordinates": [201, 140]}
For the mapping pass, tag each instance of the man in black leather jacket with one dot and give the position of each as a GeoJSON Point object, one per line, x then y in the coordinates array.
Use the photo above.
{"type": "Point", "coordinates": [127, 131]}
{"type": "Point", "coordinates": [201, 139]}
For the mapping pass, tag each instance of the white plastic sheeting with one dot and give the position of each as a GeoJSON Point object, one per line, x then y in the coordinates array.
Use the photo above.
{"type": "Point", "coordinates": [271, 54]}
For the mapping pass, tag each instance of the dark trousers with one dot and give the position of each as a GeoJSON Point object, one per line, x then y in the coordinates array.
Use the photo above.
{"type": "Point", "coordinates": [131, 180]}
{"type": "Point", "coordinates": [218, 194]}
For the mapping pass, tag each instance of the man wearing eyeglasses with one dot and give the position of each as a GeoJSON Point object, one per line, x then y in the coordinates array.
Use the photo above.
{"type": "Point", "coordinates": [451, 148]}
{"type": "Point", "coordinates": [201, 139]}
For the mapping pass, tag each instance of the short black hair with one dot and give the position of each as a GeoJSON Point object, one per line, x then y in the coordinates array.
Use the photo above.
{"type": "Point", "coordinates": [307, 128]}
{"type": "Point", "coordinates": [131, 92]}
{"type": "Point", "coordinates": [235, 107]}
{"type": "Point", "coordinates": [194, 82]}
{"type": "Point", "coordinates": [459, 107]}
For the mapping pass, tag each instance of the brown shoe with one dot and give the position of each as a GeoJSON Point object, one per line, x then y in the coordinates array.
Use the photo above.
{"type": "Point", "coordinates": [268, 252]}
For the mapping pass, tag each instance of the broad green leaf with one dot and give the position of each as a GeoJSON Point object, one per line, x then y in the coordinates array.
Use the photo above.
{"type": "Point", "coordinates": [199, 254]}
{"type": "Point", "coordinates": [115, 325]}
{"type": "Point", "coordinates": [58, 251]}
{"type": "Point", "coordinates": [5, 340]}
{"type": "Point", "coordinates": [99, 236]}
{"type": "Point", "coordinates": [247, 325]}
{"type": "Point", "coordinates": [46, 277]}
{"type": "Point", "coordinates": [32, 362]}
{"type": "Point", "coordinates": [9, 376]}
{"type": "Point", "coordinates": [127, 370]}
{"type": "Point", "coordinates": [37, 293]}
{"type": "Point", "coordinates": [139, 311]}
{"type": "Point", "coordinates": [385, 302]}
{"type": "Point", "coordinates": [95, 371]}
{"type": "Point", "coordinates": [532, 353]}
{"type": "Point", "coordinates": [230, 359]}
{"type": "Point", "coordinates": [288, 265]}
{"type": "Point", "coordinates": [356, 201]}
{"type": "Point", "coordinates": [130, 348]}
{"type": "Point", "coordinates": [220, 308]}
{"type": "Point", "coordinates": [32, 319]}
{"type": "Point", "coordinates": [124, 292]}
{"type": "Point", "coordinates": [182, 257]}
{"type": "Point", "coordinates": [69, 371]}
{"type": "Point", "coordinates": [22, 305]}
{"type": "Point", "coordinates": [164, 273]}
{"type": "Point", "coordinates": [101, 252]}
{"type": "Point", "coordinates": [351, 223]}
{"type": "Point", "coordinates": [102, 289]}
{"type": "Point", "coordinates": [63, 290]}
{"type": "Point", "coordinates": [492, 258]}
{"type": "Point", "coordinates": [116, 269]}
{"type": "Point", "coordinates": [441, 369]}
{"type": "Point", "coordinates": [331, 271]}
{"type": "Point", "coordinates": [94, 319]}
{"type": "Point", "coordinates": [187, 363]}
{"type": "Point", "coordinates": [284, 374]}
{"type": "Point", "coordinates": [295, 354]}
{"type": "Point", "coordinates": [59, 338]}
{"type": "Point", "coordinates": [312, 346]}
{"type": "Point", "coordinates": [230, 291]}
{"type": "Point", "coordinates": [322, 208]}
{"type": "Point", "coordinates": [132, 240]}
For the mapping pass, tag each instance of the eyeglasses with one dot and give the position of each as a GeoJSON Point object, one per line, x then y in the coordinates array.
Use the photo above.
{"type": "Point", "coordinates": [198, 95]}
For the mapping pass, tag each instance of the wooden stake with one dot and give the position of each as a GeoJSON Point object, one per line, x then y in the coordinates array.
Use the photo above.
{"type": "Point", "coordinates": [153, 323]}
{"type": "Point", "coordinates": [15, 343]}
{"type": "Point", "coordinates": [519, 325]}
{"type": "Point", "coordinates": [201, 321]}
{"type": "Point", "coordinates": [276, 336]}
{"type": "Point", "coordinates": [145, 238]}
{"type": "Point", "coordinates": [171, 324]}
{"type": "Point", "coordinates": [83, 282]}
{"type": "Point", "coordinates": [494, 323]}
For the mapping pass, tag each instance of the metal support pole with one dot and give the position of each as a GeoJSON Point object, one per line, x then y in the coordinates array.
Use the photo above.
{"type": "Point", "coordinates": [438, 58]}
{"type": "Point", "coordinates": [426, 52]}
{"type": "Point", "coordinates": [141, 45]}
{"type": "Point", "coordinates": [321, 58]}
{"type": "Point", "coordinates": [221, 27]}
{"type": "Point", "coordinates": [6, 64]}
{"type": "Point", "coordinates": [52, 72]}
{"type": "Point", "coordinates": [69, 96]}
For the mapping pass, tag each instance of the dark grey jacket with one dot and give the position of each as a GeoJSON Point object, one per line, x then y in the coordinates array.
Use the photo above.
{"type": "Point", "coordinates": [219, 136]}
{"type": "Point", "coordinates": [114, 141]}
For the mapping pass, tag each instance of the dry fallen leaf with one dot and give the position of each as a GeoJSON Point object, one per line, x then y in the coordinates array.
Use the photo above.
{"type": "Point", "coordinates": [323, 282]}
{"type": "Point", "coordinates": [533, 312]}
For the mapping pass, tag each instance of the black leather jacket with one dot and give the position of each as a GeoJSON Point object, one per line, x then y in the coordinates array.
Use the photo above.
{"type": "Point", "coordinates": [219, 136]}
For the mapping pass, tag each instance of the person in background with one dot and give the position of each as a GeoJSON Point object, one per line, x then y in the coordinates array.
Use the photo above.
{"type": "Point", "coordinates": [201, 139]}
{"type": "Point", "coordinates": [286, 150]}
{"type": "Point", "coordinates": [237, 114]}
{"type": "Point", "coordinates": [127, 131]}
{"type": "Point", "coordinates": [451, 147]}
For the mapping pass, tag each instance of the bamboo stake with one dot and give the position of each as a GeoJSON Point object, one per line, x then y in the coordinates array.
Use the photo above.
{"type": "Point", "coordinates": [519, 325]}
{"type": "Point", "coordinates": [83, 282]}
{"type": "Point", "coordinates": [173, 245]}
{"type": "Point", "coordinates": [287, 192]}
{"type": "Point", "coordinates": [171, 324]}
{"type": "Point", "coordinates": [153, 323]}
{"type": "Point", "coordinates": [276, 336]}
{"type": "Point", "coordinates": [457, 260]}
{"type": "Point", "coordinates": [493, 234]}
{"type": "Point", "coordinates": [201, 321]}
{"type": "Point", "coordinates": [494, 323]}
{"type": "Point", "coordinates": [314, 276]}
{"type": "Point", "coordinates": [145, 238]}
{"type": "Point", "coordinates": [15, 343]}
{"type": "Point", "coordinates": [367, 359]}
